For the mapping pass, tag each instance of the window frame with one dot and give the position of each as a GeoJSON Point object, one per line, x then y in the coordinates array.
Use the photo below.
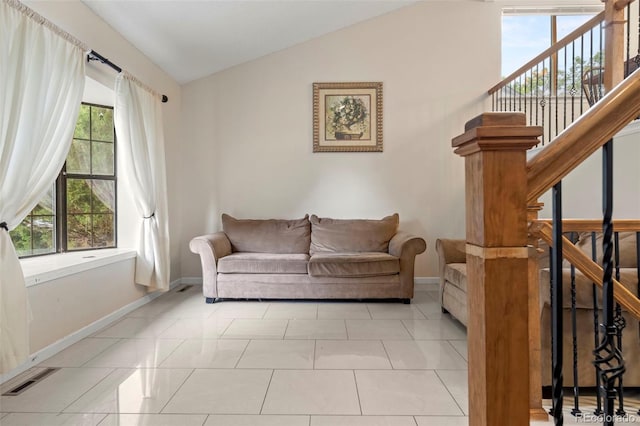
{"type": "Point", "coordinates": [61, 192]}
{"type": "Point", "coordinates": [60, 213]}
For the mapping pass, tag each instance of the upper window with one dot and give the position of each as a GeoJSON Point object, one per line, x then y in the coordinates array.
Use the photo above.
{"type": "Point", "coordinates": [80, 212]}
{"type": "Point", "coordinates": [524, 36]}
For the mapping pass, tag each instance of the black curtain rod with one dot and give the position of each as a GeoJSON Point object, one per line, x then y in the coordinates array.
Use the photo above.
{"type": "Point", "coordinates": [95, 56]}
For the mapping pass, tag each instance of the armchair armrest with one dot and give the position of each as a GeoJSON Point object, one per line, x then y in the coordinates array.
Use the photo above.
{"type": "Point", "coordinates": [449, 251]}
{"type": "Point", "coordinates": [406, 247]}
{"type": "Point", "coordinates": [210, 247]}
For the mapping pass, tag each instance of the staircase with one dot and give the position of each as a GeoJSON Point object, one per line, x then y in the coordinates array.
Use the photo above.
{"type": "Point", "coordinates": [573, 107]}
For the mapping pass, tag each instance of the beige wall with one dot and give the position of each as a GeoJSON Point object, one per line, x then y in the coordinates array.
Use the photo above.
{"type": "Point", "coordinates": [582, 189]}
{"type": "Point", "coordinates": [65, 305]}
{"type": "Point", "coordinates": [248, 130]}
{"type": "Point", "coordinates": [74, 17]}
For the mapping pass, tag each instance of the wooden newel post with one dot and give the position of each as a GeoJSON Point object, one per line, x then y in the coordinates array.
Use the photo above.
{"type": "Point", "coordinates": [494, 146]}
{"type": "Point", "coordinates": [614, 44]}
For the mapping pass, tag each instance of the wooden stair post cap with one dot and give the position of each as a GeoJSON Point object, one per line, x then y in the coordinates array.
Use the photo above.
{"type": "Point", "coordinates": [496, 131]}
{"type": "Point", "coordinates": [489, 119]}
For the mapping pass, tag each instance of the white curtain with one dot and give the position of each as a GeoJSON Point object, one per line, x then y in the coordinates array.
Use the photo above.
{"type": "Point", "coordinates": [138, 120]}
{"type": "Point", "coordinates": [41, 85]}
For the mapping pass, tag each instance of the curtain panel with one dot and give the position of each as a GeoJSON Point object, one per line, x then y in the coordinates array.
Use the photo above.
{"type": "Point", "coordinates": [41, 83]}
{"type": "Point", "coordinates": [138, 121]}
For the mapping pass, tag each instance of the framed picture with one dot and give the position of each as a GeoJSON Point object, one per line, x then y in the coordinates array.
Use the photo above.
{"type": "Point", "coordinates": [347, 117]}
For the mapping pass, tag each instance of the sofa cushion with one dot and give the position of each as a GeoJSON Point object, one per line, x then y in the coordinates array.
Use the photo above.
{"type": "Point", "coordinates": [456, 274]}
{"type": "Point", "coordinates": [627, 241]}
{"type": "Point", "coordinates": [263, 263]}
{"type": "Point", "coordinates": [356, 235]}
{"type": "Point", "coordinates": [268, 235]}
{"type": "Point", "coordinates": [353, 265]}
{"type": "Point", "coordinates": [584, 287]}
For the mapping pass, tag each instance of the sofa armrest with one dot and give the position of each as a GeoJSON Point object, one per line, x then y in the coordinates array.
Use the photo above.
{"type": "Point", "coordinates": [210, 247]}
{"type": "Point", "coordinates": [406, 247]}
{"type": "Point", "coordinates": [451, 251]}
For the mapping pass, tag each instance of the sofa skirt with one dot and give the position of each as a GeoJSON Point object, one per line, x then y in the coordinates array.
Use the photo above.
{"type": "Point", "coordinates": [303, 286]}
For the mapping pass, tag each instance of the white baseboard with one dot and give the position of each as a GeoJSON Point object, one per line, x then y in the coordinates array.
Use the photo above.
{"type": "Point", "coordinates": [426, 283]}
{"type": "Point", "coordinates": [191, 280]}
{"type": "Point", "coordinates": [86, 331]}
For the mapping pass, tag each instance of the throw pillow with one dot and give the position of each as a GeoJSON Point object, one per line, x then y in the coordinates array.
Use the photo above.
{"type": "Point", "coordinates": [268, 235]}
{"type": "Point", "coordinates": [352, 235]}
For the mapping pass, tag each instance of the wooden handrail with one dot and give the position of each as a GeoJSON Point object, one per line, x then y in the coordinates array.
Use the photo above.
{"type": "Point", "coordinates": [595, 225]}
{"type": "Point", "coordinates": [584, 136]}
{"type": "Point", "coordinates": [550, 51]}
{"type": "Point", "coordinates": [588, 267]}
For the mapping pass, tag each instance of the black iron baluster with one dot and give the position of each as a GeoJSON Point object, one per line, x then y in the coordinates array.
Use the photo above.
{"type": "Point", "coordinates": [556, 306]}
{"type": "Point", "coordinates": [536, 76]}
{"type": "Point", "coordinates": [638, 266]}
{"type": "Point", "coordinates": [590, 82]}
{"type": "Point", "coordinates": [619, 321]}
{"type": "Point", "coordinates": [504, 98]}
{"type": "Point", "coordinates": [611, 361]}
{"type": "Point", "coordinates": [553, 83]}
{"type": "Point", "coordinates": [551, 304]}
{"type": "Point", "coordinates": [543, 101]}
{"type": "Point", "coordinates": [531, 123]}
{"type": "Point", "coordinates": [520, 93]}
{"type": "Point", "coordinates": [572, 91]}
{"type": "Point", "coordinates": [574, 341]}
{"type": "Point", "coordinates": [596, 328]}
{"type": "Point", "coordinates": [564, 92]}
{"type": "Point", "coordinates": [637, 58]}
{"type": "Point", "coordinates": [627, 62]}
{"type": "Point", "coordinates": [601, 73]}
{"type": "Point", "coordinates": [581, 73]}
{"type": "Point", "coordinates": [550, 102]}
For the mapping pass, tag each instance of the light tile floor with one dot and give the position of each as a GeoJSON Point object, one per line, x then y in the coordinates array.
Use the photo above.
{"type": "Point", "coordinates": [178, 361]}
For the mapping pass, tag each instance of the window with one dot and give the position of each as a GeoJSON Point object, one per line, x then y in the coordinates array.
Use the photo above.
{"type": "Point", "coordinates": [80, 212]}
{"type": "Point", "coordinates": [525, 35]}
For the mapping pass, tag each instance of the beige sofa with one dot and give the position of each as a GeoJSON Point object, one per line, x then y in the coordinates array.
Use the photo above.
{"type": "Point", "coordinates": [308, 258]}
{"type": "Point", "coordinates": [452, 259]}
{"type": "Point", "coordinates": [453, 299]}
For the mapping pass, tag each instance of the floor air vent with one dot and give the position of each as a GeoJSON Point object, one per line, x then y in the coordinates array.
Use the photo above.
{"type": "Point", "coordinates": [185, 288]}
{"type": "Point", "coordinates": [29, 382]}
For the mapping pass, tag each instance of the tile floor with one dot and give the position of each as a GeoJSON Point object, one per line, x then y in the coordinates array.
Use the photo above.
{"type": "Point", "coordinates": [178, 361]}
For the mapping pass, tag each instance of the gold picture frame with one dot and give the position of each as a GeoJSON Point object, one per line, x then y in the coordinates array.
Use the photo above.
{"type": "Point", "coordinates": [347, 117]}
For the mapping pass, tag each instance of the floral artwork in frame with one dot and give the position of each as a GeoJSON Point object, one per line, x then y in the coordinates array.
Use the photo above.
{"type": "Point", "coordinates": [347, 117]}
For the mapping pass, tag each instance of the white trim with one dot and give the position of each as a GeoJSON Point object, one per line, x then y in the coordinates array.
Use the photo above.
{"type": "Point", "coordinates": [426, 283]}
{"type": "Point", "coordinates": [38, 270]}
{"type": "Point", "coordinates": [629, 129]}
{"type": "Point", "coordinates": [78, 335]}
{"type": "Point", "coordinates": [426, 280]}
{"type": "Point", "coordinates": [191, 280]}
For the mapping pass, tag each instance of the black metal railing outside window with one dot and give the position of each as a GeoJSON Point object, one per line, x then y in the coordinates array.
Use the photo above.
{"type": "Point", "coordinates": [555, 89]}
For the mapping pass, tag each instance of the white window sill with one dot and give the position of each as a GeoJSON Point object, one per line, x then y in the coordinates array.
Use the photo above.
{"type": "Point", "coordinates": [38, 270]}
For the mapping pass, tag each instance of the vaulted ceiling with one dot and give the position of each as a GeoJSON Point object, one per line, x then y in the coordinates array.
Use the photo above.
{"type": "Point", "coordinates": [193, 39]}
